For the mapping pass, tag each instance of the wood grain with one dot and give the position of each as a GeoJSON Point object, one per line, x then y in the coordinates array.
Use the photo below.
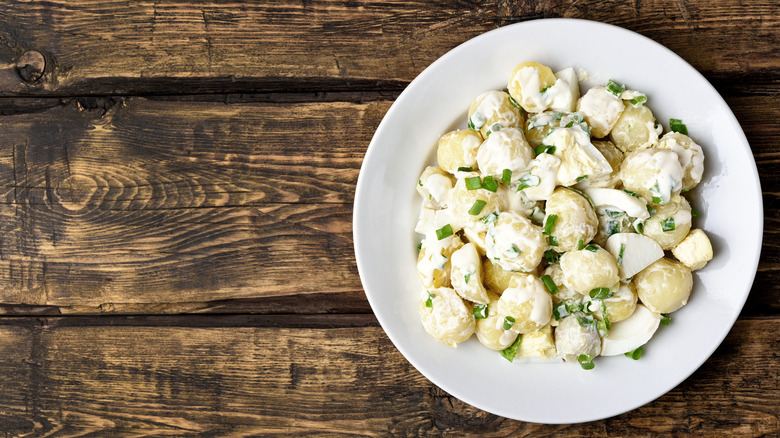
{"type": "Point", "coordinates": [126, 47]}
{"type": "Point", "coordinates": [78, 377]}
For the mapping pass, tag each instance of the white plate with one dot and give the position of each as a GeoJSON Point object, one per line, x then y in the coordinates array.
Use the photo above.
{"type": "Point", "coordinates": [386, 208]}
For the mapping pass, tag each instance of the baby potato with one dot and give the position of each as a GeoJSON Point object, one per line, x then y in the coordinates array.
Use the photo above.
{"type": "Point", "coordinates": [670, 223]}
{"type": "Point", "coordinates": [621, 305]}
{"type": "Point", "coordinates": [575, 221]}
{"type": "Point", "coordinates": [496, 279]}
{"type": "Point", "coordinates": [490, 331]}
{"type": "Point", "coordinates": [590, 268]}
{"type": "Point", "coordinates": [573, 339]}
{"type": "Point", "coordinates": [664, 286]}
{"type": "Point", "coordinates": [655, 174]}
{"type": "Point", "coordinates": [565, 293]}
{"type": "Point", "coordinates": [690, 155]}
{"type": "Point", "coordinates": [526, 83]}
{"type": "Point", "coordinates": [515, 243]}
{"type": "Point", "coordinates": [446, 317]}
{"type": "Point", "coordinates": [462, 199]}
{"type": "Point", "coordinates": [635, 129]}
{"type": "Point", "coordinates": [601, 109]}
{"type": "Point", "coordinates": [434, 187]}
{"type": "Point", "coordinates": [504, 149]}
{"type": "Point", "coordinates": [526, 305]}
{"type": "Point", "coordinates": [466, 274]}
{"type": "Point", "coordinates": [539, 344]}
{"type": "Point", "coordinates": [433, 261]}
{"type": "Point", "coordinates": [458, 149]}
{"type": "Point", "coordinates": [579, 158]}
{"type": "Point", "coordinates": [694, 251]}
{"type": "Point", "coordinates": [540, 125]}
{"type": "Point", "coordinates": [492, 111]}
{"type": "Point", "coordinates": [607, 181]}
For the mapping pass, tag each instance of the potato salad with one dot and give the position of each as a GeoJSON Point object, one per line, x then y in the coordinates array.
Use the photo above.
{"type": "Point", "coordinates": [556, 224]}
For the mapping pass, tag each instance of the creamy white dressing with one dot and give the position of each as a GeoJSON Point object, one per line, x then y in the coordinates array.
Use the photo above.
{"type": "Point", "coordinates": [545, 167]}
{"type": "Point", "coordinates": [504, 149]}
{"type": "Point", "coordinates": [691, 157]}
{"type": "Point", "coordinates": [506, 244]}
{"type": "Point", "coordinates": [541, 303]}
{"type": "Point", "coordinates": [439, 187]}
{"type": "Point", "coordinates": [434, 258]}
{"type": "Point", "coordinates": [559, 95]}
{"type": "Point", "coordinates": [669, 179]}
{"type": "Point", "coordinates": [601, 108]}
{"type": "Point", "coordinates": [577, 154]}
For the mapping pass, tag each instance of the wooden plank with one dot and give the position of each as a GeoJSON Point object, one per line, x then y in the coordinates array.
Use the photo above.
{"type": "Point", "coordinates": [128, 47]}
{"type": "Point", "coordinates": [78, 377]}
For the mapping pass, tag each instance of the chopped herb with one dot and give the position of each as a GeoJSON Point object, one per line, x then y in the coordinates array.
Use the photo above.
{"type": "Point", "coordinates": [537, 215]}
{"type": "Point", "coordinates": [509, 352]}
{"type": "Point", "coordinates": [614, 213]}
{"type": "Point", "coordinates": [639, 100]}
{"type": "Point", "coordinates": [552, 240]}
{"type": "Point", "coordinates": [549, 284]}
{"type": "Point", "coordinates": [544, 149]}
{"type": "Point", "coordinates": [444, 231]}
{"type": "Point", "coordinates": [551, 256]}
{"type": "Point", "coordinates": [668, 224]}
{"type": "Point", "coordinates": [508, 322]}
{"type": "Point", "coordinates": [651, 210]}
{"type": "Point", "coordinates": [419, 181]}
{"type": "Point", "coordinates": [528, 180]}
{"type": "Point", "coordinates": [467, 277]}
{"type": "Point", "coordinates": [665, 319]}
{"type": "Point", "coordinates": [605, 317]}
{"type": "Point", "coordinates": [615, 88]}
{"type": "Point", "coordinates": [429, 301]}
{"type": "Point", "coordinates": [601, 326]}
{"type": "Point", "coordinates": [545, 89]}
{"type": "Point", "coordinates": [620, 254]}
{"type": "Point", "coordinates": [579, 192]}
{"type": "Point", "coordinates": [560, 311]}
{"type": "Point", "coordinates": [480, 311]}
{"type": "Point", "coordinates": [635, 354]}
{"type": "Point", "coordinates": [490, 184]}
{"type": "Point", "coordinates": [473, 183]}
{"type": "Point", "coordinates": [582, 178]}
{"type": "Point", "coordinates": [677, 125]}
{"type": "Point", "coordinates": [514, 102]}
{"type": "Point", "coordinates": [557, 115]}
{"type": "Point", "coordinates": [695, 213]}
{"type": "Point", "coordinates": [490, 218]}
{"type": "Point", "coordinates": [419, 247]}
{"type": "Point", "coordinates": [570, 124]}
{"type": "Point", "coordinates": [586, 362]}
{"type": "Point", "coordinates": [639, 226]}
{"type": "Point", "coordinates": [580, 244]}
{"type": "Point", "coordinates": [471, 124]}
{"type": "Point", "coordinates": [506, 176]}
{"type": "Point", "coordinates": [549, 224]}
{"type": "Point", "coordinates": [465, 169]}
{"type": "Point", "coordinates": [477, 207]}
{"type": "Point", "coordinates": [656, 192]}
{"type": "Point", "coordinates": [513, 252]}
{"type": "Point", "coordinates": [613, 227]}
{"type": "Point", "coordinates": [601, 293]}
{"type": "Point", "coordinates": [634, 194]}
{"type": "Point", "coordinates": [592, 248]}
{"type": "Point", "coordinates": [585, 320]}
{"type": "Point", "coordinates": [493, 128]}
{"type": "Point", "coordinates": [476, 121]}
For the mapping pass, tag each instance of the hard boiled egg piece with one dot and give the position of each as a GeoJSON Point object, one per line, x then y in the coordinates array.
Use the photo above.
{"type": "Point", "coordinates": [633, 252]}
{"type": "Point", "coordinates": [631, 333]}
{"type": "Point", "coordinates": [619, 200]}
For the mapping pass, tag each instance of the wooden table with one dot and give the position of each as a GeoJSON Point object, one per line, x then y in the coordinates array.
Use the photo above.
{"type": "Point", "coordinates": [175, 237]}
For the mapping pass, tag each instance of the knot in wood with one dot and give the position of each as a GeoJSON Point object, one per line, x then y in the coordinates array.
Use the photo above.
{"type": "Point", "coordinates": [30, 66]}
{"type": "Point", "coordinates": [75, 191]}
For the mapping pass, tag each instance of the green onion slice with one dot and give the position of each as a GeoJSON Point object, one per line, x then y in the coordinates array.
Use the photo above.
{"type": "Point", "coordinates": [634, 194]}
{"type": "Point", "coordinates": [506, 176]}
{"type": "Point", "coordinates": [639, 226]}
{"type": "Point", "coordinates": [508, 322]}
{"type": "Point", "coordinates": [544, 149]}
{"type": "Point", "coordinates": [514, 102]}
{"type": "Point", "coordinates": [635, 354]}
{"type": "Point", "coordinates": [549, 284]}
{"type": "Point", "coordinates": [695, 213]}
{"type": "Point", "coordinates": [552, 240]}
{"type": "Point", "coordinates": [444, 231]}
{"type": "Point", "coordinates": [668, 224]}
{"type": "Point", "coordinates": [549, 224]}
{"type": "Point", "coordinates": [580, 244]}
{"type": "Point", "coordinates": [677, 125]}
{"type": "Point", "coordinates": [490, 184]}
{"type": "Point", "coordinates": [465, 169]}
{"type": "Point", "coordinates": [467, 277]}
{"type": "Point", "coordinates": [560, 311]}
{"type": "Point", "coordinates": [490, 218]}
{"type": "Point", "coordinates": [613, 227]}
{"type": "Point", "coordinates": [615, 88]}
{"type": "Point", "coordinates": [477, 207]}
{"type": "Point", "coordinates": [513, 252]}
{"type": "Point", "coordinates": [651, 210]}
{"type": "Point", "coordinates": [528, 180]}
{"type": "Point", "coordinates": [586, 362]}
{"type": "Point", "coordinates": [419, 247]}
{"type": "Point", "coordinates": [665, 319]}
{"type": "Point", "coordinates": [620, 254]}
{"type": "Point", "coordinates": [509, 352]}
{"type": "Point", "coordinates": [473, 183]}
{"type": "Point", "coordinates": [639, 100]}
{"type": "Point", "coordinates": [585, 320]}
{"type": "Point", "coordinates": [592, 248]}
{"type": "Point", "coordinates": [480, 311]}
{"type": "Point", "coordinates": [579, 192]}
{"type": "Point", "coordinates": [601, 293]}
{"type": "Point", "coordinates": [429, 301]}
{"type": "Point", "coordinates": [615, 213]}
{"type": "Point", "coordinates": [581, 178]}
{"type": "Point", "coordinates": [551, 256]}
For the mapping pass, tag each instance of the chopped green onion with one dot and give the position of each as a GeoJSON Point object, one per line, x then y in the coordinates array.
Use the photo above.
{"type": "Point", "coordinates": [419, 247]}
{"type": "Point", "coordinates": [634, 194]}
{"type": "Point", "coordinates": [614, 213]}
{"type": "Point", "coordinates": [509, 352]}
{"type": "Point", "coordinates": [560, 311]}
{"type": "Point", "coordinates": [544, 149]}
{"type": "Point", "coordinates": [549, 224]}
{"type": "Point", "coordinates": [601, 293]}
{"type": "Point", "coordinates": [580, 244]}
{"type": "Point", "coordinates": [570, 124]}
{"type": "Point", "coordinates": [471, 124]}
{"type": "Point", "coordinates": [579, 192]}
{"type": "Point", "coordinates": [537, 215]}
{"type": "Point", "coordinates": [490, 218]}
{"type": "Point", "coordinates": [528, 180]}
{"type": "Point", "coordinates": [480, 311]}
{"type": "Point", "coordinates": [613, 227]}
{"type": "Point", "coordinates": [473, 183]}
{"type": "Point", "coordinates": [513, 252]}
{"type": "Point", "coordinates": [514, 102]}
{"type": "Point", "coordinates": [508, 322]}
{"type": "Point", "coordinates": [635, 354]}
{"type": "Point", "coordinates": [665, 319]}
{"type": "Point", "coordinates": [551, 256]}
{"type": "Point", "coordinates": [467, 277]}
{"type": "Point", "coordinates": [493, 128]}
{"type": "Point", "coordinates": [419, 181]}
{"type": "Point", "coordinates": [545, 89]}
{"type": "Point", "coordinates": [620, 254]}
{"type": "Point", "coordinates": [581, 178]}
{"type": "Point", "coordinates": [552, 240]}
{"type": "Point", "coordinates": [605, 317]}
{"type": "Point", "coordinates": [639, 226]}
{"type": "Point", "coordinates": [477, 207]}
{"type": "Point", "coordinates": [639, 100]}
{"type": "Point", "coordinates": [549, 284]}
{"type": "Point", "coordinates": [695, 213]}
{"type": "Point", "coordinates": [490, 184]}
{"type": "Point", "coordinates": [465, 169]}
{"type": "Point", "coordinates": [592, 248]}
{"type": "Point", "coordinates": [444, 231]}
{"type": "Point", "coordinates": [615, 88]}
{"type": "Point", "coordinates": [677, 125]}
{"type": "Point", "coordinates": [668, 224]}
{"type": "Point", "coordinates": [429, 301]}
{"type": "Point", "coordinates": [585, 320]}
{"type": "Point", "coordinates": [651, 210]}
{"type": "Point", "coordinates": [586, 362]}
{"type": "Point", "coordinates": [506, 176]}
{"type": "Point", "coordinates": [601, 326]}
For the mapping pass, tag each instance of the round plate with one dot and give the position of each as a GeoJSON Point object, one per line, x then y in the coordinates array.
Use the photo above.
{"type": "Point", "coordinates": [387, 205]}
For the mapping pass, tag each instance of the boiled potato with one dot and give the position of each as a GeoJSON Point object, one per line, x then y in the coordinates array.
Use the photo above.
{"type": "Point", "coordinates": [601, 109]}
{"type": "Point", "coordinates": [492, 111]}
{"type": "Point", "coordinates": [496, 279]}
{"type": "Point", "coordinates": [694, 251]}
{"type": "Point", "coordinates": [458, 149]}
{"type": "Point", "coordinates": [590, 268]}
{"type": "Point", "coordinates": [490, 331]}
{"type": "Point", "coordinates": [527, 302]}
{"type": "Point", "coordinates": [446, 317]}
{"type": "Point", "coordinates": [655, 174]}
{"type": "Point", "coordinates": [576, 220]}
{"type": "Point", "coordinates": [466, 274]}
{"type": "Point", "coordinates": [670, 224]}
{"type": "Point", "coordinates": [540, 125]}
{"type": "Point", "coordinates": [504, 149]}
{"type": "Point", "coordinates": [621, 305]}
{"type": "Point", "coordinates": [539, 344]}
{"type": "Point", "coordinates": [607, 181]}
{"type": "Point", "coordinates": [515, 243]}
{"type": "Point", "coordinates": [664, 286]}
{"type": "Point", "coordinates": [579, 158]}
{"type": "Point", "coordinates": [433, 261]}
{"type": "Point", "coordinates": [573, 339]}
{"type": "Point", "coordinates": [635, 129]}
{"type": "Point", "coordinates": [462, 199]}
{"type": "Point", "coordinates": [526, 84]}
{"type": "Point", "coordinates": [690, 155]}
{"type": "Point", "coordinates": [434, 186]}
{"type": "Point", "coordinates": [565, 293]}
{"type": "Point", "coordinates": [611, 221]}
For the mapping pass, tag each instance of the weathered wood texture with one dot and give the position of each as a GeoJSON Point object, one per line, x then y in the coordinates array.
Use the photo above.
{"type": "Point", "coordinates": [239, 378]}
{"type": "Point", "coordinates": [130, 47]}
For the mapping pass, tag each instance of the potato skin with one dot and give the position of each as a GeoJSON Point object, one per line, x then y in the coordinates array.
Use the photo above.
{"type": "Point", "coordinates": [576, 219]}
{"type": "Point", "coordinates": [664, 286]}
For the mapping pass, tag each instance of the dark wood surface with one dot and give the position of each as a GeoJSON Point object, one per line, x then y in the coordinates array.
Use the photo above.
{"type": "Point", "coordinates": [176, 188]}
